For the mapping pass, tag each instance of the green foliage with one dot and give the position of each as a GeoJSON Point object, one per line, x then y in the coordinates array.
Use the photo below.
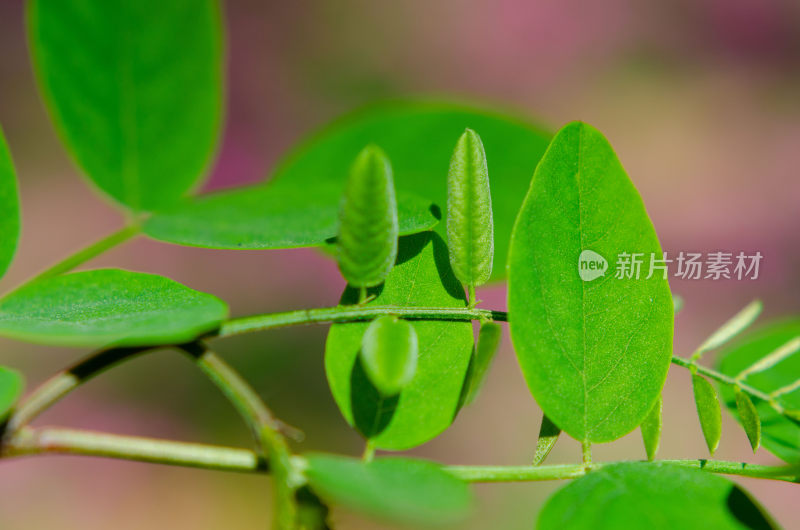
{"type": "Point", "coordinates": [9, 207]}
{"type": "Point", "coordinates": [421, 278]}
{"type": "Point", "coordinates": [108, 307]}
{"type": "Point", "coordinates": [418, 138]}
{"type": "Point", "coordinates": [389, 352]}
{"type": "Point", "coordinates": [136, 98]}
{"type": "Point", "coordinates": [548, 436]}
{"type": "Point", "coordinates": [267, 217]}
{"type": "Point", "coordinates": [470, 230]}
{"type": "Point", "coordinates": [749, 418]}
{"type": "Point", "coordinates": [489, 337]}
{"type": "Point", "coordinates": [398, 489]}
{"type": "Point", "coordinates": [366, 242]}
{"type": "Point", "coordinates": [595, 354]}
{"type": "Point", "coordinates": [708, 410]}
{"type": "Point", "coordinates": [652, 496]}
{"type": "Point", "coordinates": [738, 323]}
{"type": "Point", "coordinates": [780, 433]}
{"type": "Point", "coordinates": [11, 384]}
{"type": "Point", "coordinates": [651, 429]}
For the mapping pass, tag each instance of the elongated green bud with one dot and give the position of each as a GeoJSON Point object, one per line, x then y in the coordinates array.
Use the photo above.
{"type": "Point", "coordinates": [470, 229]}
{"type": "Point", "coordinates": [389, 352]}
{"type": "Point", "coordinates": [367, 239]}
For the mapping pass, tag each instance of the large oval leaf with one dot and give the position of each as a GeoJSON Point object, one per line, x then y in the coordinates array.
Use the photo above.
{"type": "Point", "coordinates": [398, 489]}
{"type": "Point", "coordinates": [9, 207]}
{"type": "Point", "coordinates": [11, 384]}
{"type": "Point", "coordinates": [421, 277]}
{"type": "Point", "coordinates": [135, 90]}
{"type": "Point", "coordinates": [418, 138]}
{"type": "Point", "coordinates": [595, 353]}
{"type": "Point", "coordinates": [260, 217]}
{"type": "Point", "coordinates": [780, 434]}
{"type": "Point", "coordinates": [109, 307]}
{"type": "Point", "coordinates": [652, 496]}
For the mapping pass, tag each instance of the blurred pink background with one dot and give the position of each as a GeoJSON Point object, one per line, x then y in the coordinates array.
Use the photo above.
{"type": "Point", "coordinates": [699, 98]}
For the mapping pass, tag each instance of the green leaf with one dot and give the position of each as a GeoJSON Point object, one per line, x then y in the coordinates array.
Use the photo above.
{"type": "Point", "coordinates": [389, 352]}
{"type": "Point", "coordinates": [264, 217]}
{"type": "Point", "coordinates": [418, 139]}
{"type": "Point", "coordinates": [135, 90]}
{"type": "Point", "coordinates": [421, 278]}
{"type": "Point", "coordinates": [653, 496]}
{"type": "Point", "coordinates": [708, 411]}
{"type": "Point", "coordinates": [108, 307]}
{"type": "Point", "coordinates": [738, 323]}
{"type": "Point", "coordinates": [594, 353]}
{"type": "Point", "coordinates": [780, 433]}
{"type": "Point", "coordinates": [548, 436]}
{"type": "Point", "coordinates": [11, 384]}
{"type": "Point", "coordinates": [677, 303]}
{"type": "Point", "coordinates": [398, 489]}
{"type": "Point", "coordinates": [9, 207]}
{"type": "Point", "coordinates": [748, 415]}
{"type": "Point", "coordinates": [489, 337]}
{"type": "Point", "coordinates": [367, 238]}
{"type": "Point", "coordinates": [470, 230]}
{"type": "Point", "coordinates": [651, 429]}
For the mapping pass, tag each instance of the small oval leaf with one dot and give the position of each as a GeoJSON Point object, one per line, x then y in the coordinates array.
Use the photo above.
{"type": "Point", "coordinates": [708, 411]}
{"type": "Point", "coordinates": [780, 433]}
{"type": "Point", "coordinates": [11, 384]}
{"type": "Point", "coordinates": [398, 489]}
{"type": "Point", "coordinates": [654, 496]}
{"type": "Point", "coordinates": [135, 90]}
{"type": "Point", "coordinates": [109, 307]}
{"type": "Point", "coordinates": [389, 352]}
{"type": "Point", "coordinates": [489, 336]}
{"type": "Point", "coordinates": [594, 348]}
{"type": "Point", "coordinates": [9, 207]}
{"type": "Point", "coordinates": [367, 238]}
{"type": "Point", "coordinates": [651, 430]}
{"type": "Point", "coordinates": [470, 229]}
{"type": "Point", "coordinates": [748, 415]}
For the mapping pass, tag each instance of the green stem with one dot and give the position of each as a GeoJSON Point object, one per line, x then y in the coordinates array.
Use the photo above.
{"type": "Point", "coordinates": [472, 299]}
{"type": "Point", "coordinates": [87, 253]}
{"type": "Point", "coordinates": [250, 324]}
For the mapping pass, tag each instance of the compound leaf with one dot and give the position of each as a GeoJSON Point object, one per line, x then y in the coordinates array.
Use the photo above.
{"type": "Point", "coordinates": [398, 489]}
{"type": "Point", "coordinates": [9, 207]}
{"type": "Point", "coordinates": [421, 277]}
{"type": "Point", "coordinates": [594, 346]}
{"type": "Point", "coordinates": [470, 229]}
{"type": "Point", "coordinates": [651, 429]}
{"type": "Point", "coordinates": [418, 138]}
{"type": "Point", "coordinates": [135, 90]}
{"type": "Point", "coordinates": [653, 496]}
{"type": "Point", "coordinates": [11, 384]}
{"type": "Point", "coordinates": [780, 433]}
{"type": "Point", "coordinates": [708, 411]}
{"type": "Point", "coordinates": [108, 307]}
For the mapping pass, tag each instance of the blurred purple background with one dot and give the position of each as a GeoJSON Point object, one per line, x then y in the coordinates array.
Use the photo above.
{"type": "Point", "coordinates": [699, 98]}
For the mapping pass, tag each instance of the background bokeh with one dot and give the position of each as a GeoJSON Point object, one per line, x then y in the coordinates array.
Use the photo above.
{"type": "Point", "coordinates": [699, 98]}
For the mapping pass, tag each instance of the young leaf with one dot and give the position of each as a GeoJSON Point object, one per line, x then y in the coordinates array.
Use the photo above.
{"type": "Point", "coordinates": [418, 138]}
{"type": "Point", "coordinates": [470, 230]}
{"type": "Point", "coordinates": [397, 489]}
{"type": "Point", "coordinates": [11, 384]}
{"type": "Point", "coordinates": [264, 217]}
{"type": "Point", "coordinates": [135, 96]}
{"type": "Point", "coordinates": [489, 337]}
{"type": "Point", "coordinates": [773, 358]}
{"type": "Point", "coordinates": [738, 323]}
{"type": "Point", "coordinates": [654, 496]}
{"type": "Point", "coordinates": [9, 207]}
{"type": "Point", "coordinates": [389, 352]}
{"type": "Point", "coordinates": [108, 307]}
{"type": "Point", "coordinates": [422, 277]}
{"type": "Point", "coordinates": [548, 436]}
{"type": "Point", "coordinates": [651, 430]}
{"type": "Point", "coordinates": [780, 432]}
{"type": "Point", "coordinates": [708, 410]}
{"type": "Point", "coordinates": [594, 353]}
{"type": "Point", "coordinates": [367, 238]}
{"type": "Point", "coordinates": [748, 415]}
